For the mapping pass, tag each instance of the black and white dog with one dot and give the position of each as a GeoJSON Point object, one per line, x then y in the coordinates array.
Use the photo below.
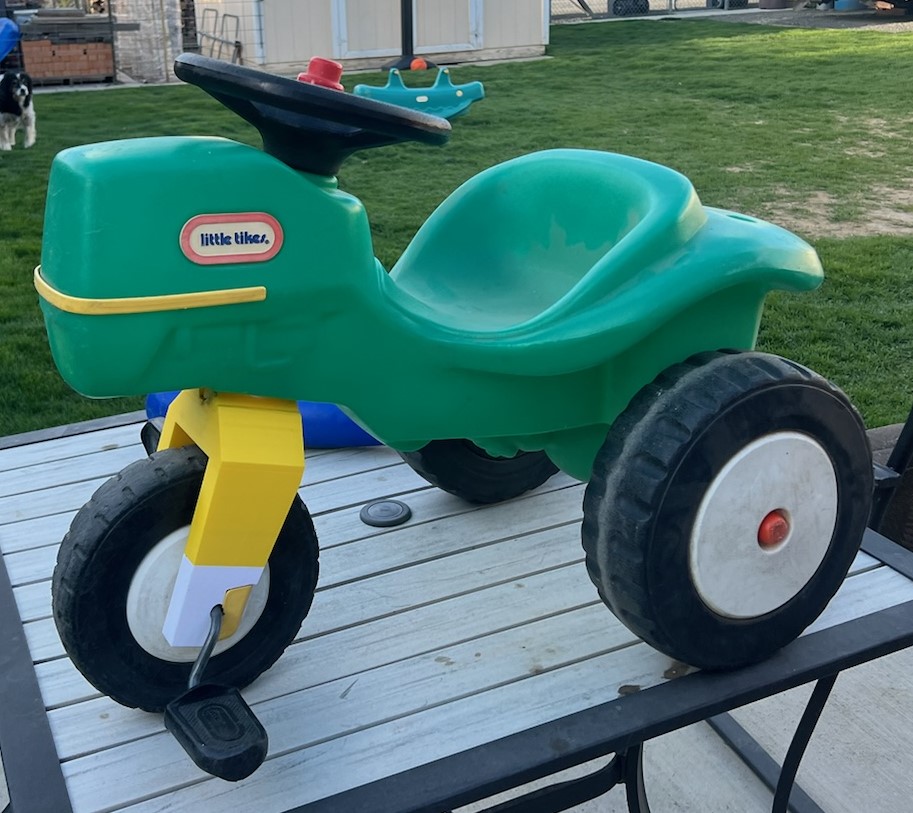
{"type": "Point", "coordinates": [16, 109]}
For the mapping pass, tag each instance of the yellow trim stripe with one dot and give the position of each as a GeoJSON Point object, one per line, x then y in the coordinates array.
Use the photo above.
{"type": "Point", "coordinates": [146, 304]}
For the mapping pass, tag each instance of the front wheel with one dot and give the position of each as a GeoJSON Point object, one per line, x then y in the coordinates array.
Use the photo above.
{"type": "Point", "coordinates": [463, 469]}
{"type": "Point", "coordinates": [116, 569]}
{"type": "Point", "coordinates": [726, 507]}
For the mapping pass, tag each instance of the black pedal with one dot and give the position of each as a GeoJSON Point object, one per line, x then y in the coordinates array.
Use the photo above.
{"type": "Point", "coordinates": [218, 730]}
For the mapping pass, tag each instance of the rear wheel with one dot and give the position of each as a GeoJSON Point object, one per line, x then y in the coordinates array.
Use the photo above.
{"type": "Point", "coordinates": [726, 507]}
{"type": "Point", "coordinates": [116, 569]}
{"type": "Point", "coordinates": [464, 470]}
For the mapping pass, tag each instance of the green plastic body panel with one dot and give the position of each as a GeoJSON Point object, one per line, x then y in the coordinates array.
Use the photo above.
{"type": "Point", "coordinates": [443, 98]}
{"type": "Point", "coordinates": [526, 313]}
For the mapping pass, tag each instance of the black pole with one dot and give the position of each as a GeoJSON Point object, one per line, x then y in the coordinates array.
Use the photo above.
{"type": "Point", "coordinates": [404, 63]}
{"type": "Point", "coordinates": [405, 15]}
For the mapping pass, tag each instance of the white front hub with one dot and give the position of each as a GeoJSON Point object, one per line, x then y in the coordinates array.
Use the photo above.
{"type": "Point", "coordinates": [170, 598]}
{"type": "Point", "coordinates": [735, 574]}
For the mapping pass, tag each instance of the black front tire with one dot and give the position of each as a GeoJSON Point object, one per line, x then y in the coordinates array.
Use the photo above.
{"type": "Point", "coordinates": [461, 468]}
{"type": "Point", "coordinates": [646, 531]}
{"type": "Point", "coordinates": [99, 557]}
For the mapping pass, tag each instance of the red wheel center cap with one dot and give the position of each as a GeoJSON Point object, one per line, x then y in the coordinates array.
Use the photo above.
{"type": "Point", "coordinates": [774, 528]}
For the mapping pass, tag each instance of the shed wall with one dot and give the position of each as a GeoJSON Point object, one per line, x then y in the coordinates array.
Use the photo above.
{"type": "Point", "coordinates": [368, 27]}
{"type": "Point", "coordinates": [509, 23]}
{"type": "Point", "coordinates": [295, 31]}
{"type": "Point", "coordinates": [444, 25]}
{"type": "Point", "coordinates": [366, 33]}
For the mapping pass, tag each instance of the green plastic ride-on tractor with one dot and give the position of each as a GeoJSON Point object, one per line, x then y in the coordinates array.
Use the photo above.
{"type": "Point", "coordinates": [568, 309]}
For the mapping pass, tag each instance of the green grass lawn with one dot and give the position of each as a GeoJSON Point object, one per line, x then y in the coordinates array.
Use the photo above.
{"type": "Point", "coordinates": [807, 128]}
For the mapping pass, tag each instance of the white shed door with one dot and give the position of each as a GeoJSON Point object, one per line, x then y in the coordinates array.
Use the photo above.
{"type": "Point", "coordinates": [373, 27]}
{"type": "Point", "coordinates": [447, 25]}
{"type": "Point", "coordinates": [367, 27]}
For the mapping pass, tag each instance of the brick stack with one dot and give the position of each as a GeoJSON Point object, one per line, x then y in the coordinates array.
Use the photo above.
{"type": "Point", "coordinates": [66, 45]}
{"type": "Point", "coordinates": [49, 62]}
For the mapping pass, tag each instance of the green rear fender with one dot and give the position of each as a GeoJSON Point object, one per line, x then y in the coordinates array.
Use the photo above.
{"type": "Point", "coordinates": [567, 294]}
{"type": "Point", "coordinates": [569, 257]}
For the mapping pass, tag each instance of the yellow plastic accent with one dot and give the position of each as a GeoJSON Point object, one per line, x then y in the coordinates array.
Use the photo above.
{"type": "Point", "coordinates": [145, 304]}
{"type": "Point", "coordinates": [233, 608]}
{"type": "Point", "coordinates": [255, 448]}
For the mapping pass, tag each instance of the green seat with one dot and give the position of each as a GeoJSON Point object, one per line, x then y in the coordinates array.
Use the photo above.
{"type": "Point", "coordinates": [513, 241]}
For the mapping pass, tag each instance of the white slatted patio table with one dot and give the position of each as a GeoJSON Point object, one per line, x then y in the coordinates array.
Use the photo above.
{"type": "Point", "coordinates": [462, 654]}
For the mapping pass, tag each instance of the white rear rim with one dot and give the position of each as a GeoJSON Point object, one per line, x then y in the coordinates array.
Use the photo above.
{"type": "Point", "coordinates": [150, 594]}
{"type": "Point", "coordinates": [764, 525]}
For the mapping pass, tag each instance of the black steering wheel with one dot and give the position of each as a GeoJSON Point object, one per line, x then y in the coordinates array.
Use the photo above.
{"type": "Point", "coordinates": [310, 128]}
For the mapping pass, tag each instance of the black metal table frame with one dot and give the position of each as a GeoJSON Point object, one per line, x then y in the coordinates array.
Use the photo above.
{"type": "Point", "coordinates": [619, 727]}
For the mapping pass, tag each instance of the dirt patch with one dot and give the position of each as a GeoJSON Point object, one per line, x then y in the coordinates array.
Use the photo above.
{"type": "Point", "coordinates": [886, 210]}
{"type": "Point", "coordinates": [571, 11]}
{"type": "Point", "coordinates": [884, 21]}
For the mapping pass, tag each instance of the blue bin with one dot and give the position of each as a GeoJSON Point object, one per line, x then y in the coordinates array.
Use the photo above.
{"type": "Point", "coordinates": [326, 426]}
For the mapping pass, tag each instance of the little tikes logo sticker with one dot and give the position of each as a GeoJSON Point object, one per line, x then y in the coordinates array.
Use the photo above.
{"type": "Point", "coordinates": [242, 237]}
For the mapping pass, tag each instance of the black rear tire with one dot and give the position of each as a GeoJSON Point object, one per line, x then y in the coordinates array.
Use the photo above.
{"type": "Point", "coordinates": [461, 468]}
{"type": "Point", "coordinates": [109, 539]}
{"type": "Point", "coordinates": [683, 486]}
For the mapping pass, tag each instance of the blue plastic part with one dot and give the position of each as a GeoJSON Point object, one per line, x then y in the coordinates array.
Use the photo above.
{"type": "Point", "coordinates": [443, 98]}
{"type": "Point", "coordinates": [9, 36]}
{"type": "Point", "coordinates": [326, 426]}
